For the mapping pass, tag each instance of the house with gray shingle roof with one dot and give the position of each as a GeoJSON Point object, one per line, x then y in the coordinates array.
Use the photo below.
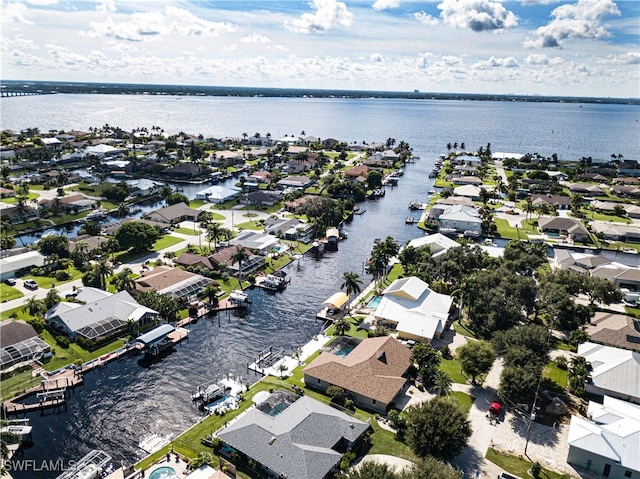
{"type": "Point", "coordinates": [304, 439]}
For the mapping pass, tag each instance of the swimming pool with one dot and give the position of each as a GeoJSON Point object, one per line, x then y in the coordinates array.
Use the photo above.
{"type": "Point", "coordinates": [164, 472]}
{"type": "Point", "coordinates": [374, 302]}
{"type": "Point", "coordinates": [343, 353]}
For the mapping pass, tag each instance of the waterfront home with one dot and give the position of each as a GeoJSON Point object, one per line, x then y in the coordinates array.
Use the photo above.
{"type": "Point", "coordinates": [71, 204]}
{"type": "Point", "coordinates": [617, 232]}
{"type": "Point", "coordinates": [174, 282]}
{"type": "Point", "coordinates": [260, 177]}
{"type": "Point", "coordinates": [616, 371]}
{"type": "Point", "coordinates": [255, 240]}
{"type": "Point", "coordinates": [381, 159]}
{"type": "Point", "coordinates": [186, 171]}
{"type": "Point", "coordinates": [467, 191]}
{"type": "Point", "coordinates": [458, 200]}
{"type": "Point", "coordinates": [100, 318]}
{"type": "Point", "coordinates": [260, 198]}
{"type": "Point", "coordinates": [371, 372]}
{"type": "Point", "coordinates": [289, 228]}
{"type": "Point", "coordinates": [356, 171]}
{"type": "Point", "coordinates": [14, 262]}
{"type": "Point", "coordinates": [217, 194]}
{"type": "Point", "coordinates": [20, 344]}
{"type": "Point", "coordinates": [292, 437]}
{"type": "Point", "coordinates": [414, 310]}
{"type": "Point", "coordinates": [563, 226]}
{"type": "Point", "coordinates": [458, 218]}
{"type": "Point", "coordinates": [222, 258]}
{"type": "Point", "coordinates": [293, 205]}
{"type": "Point", "coordinates": [437, 243]}
{"type": "Point", "coordinates": [465, 180]}
{"type": "Point", "coordinates": [586, 189]}
{"type": "Point", "coordinates": [103, 151]}
{"type": "Point", "coordinates": [295, 182]}
{"type": "Point", "coordinates": [607, 441]}
{"type": "Point", "coordinates": [175, 214]}
{"type": "Point", "coordinates": [621, 275]}
{"type": "Point", "coordinates": [190, 260]}
{"type": "Point", "coordinates": [628, 191]}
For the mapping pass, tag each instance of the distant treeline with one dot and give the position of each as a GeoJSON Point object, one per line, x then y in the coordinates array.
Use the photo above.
{"type": "Point", "coordinates": [195, 90]}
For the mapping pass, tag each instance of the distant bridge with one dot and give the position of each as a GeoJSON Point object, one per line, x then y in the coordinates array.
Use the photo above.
{"type": "Point", "coordinates": [8, 93]}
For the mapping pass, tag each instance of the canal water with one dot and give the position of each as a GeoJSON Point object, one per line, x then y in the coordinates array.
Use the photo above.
{"type": "Point", "coordinates": [125, 401]}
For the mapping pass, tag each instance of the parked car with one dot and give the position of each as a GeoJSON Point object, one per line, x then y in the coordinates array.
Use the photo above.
{"type": "Point", "coordinates": [10, 281]}
{"type": "Point", "coordinates": [30, 284]}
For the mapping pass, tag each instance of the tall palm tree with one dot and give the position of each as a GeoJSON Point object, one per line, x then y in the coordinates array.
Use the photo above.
{"type": "Point", "coordinates": [462, 290]}
{"type": "Point", "coordinates": [102, 269]}
{"type": "Point", "coordinates": [124, 281]}
{"type": "Point", "coordinates": [111, 246]}
{"type": "Point", "coordinates": [214, 233]}
{"type": "Point", "coordinates": [210, 292]}
{"type": "Point", "coordinates": [123, 210]}
{"type": "Point", "coordinates": [240, 256]}
{"type": "Point", "coordinates": [80, 253]}
{"type": "Point", "coordinates": [351, 284]}
{"type": "Point", "coordinates": [342, 325]}
{"type": "Point", "coordinates": [442, 382]}
{"type": "Point", "coordinates": [579, 372]}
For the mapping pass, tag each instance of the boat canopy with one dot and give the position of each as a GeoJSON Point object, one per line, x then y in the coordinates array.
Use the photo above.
{"type": "Point", "coordinates": [337, 300]}
{"type": "Point", "coordinates": [155, 334]}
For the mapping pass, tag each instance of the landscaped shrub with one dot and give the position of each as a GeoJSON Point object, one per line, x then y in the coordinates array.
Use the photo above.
{"type": "Point", "coordinates": [346, 460]}
{"type": "Point", "coordinates": [63, 341]}
{"type": "Point", "coordinates": [62, 276]}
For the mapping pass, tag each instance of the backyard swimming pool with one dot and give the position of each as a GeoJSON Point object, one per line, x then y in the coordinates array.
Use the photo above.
{"type": "Point", "coordinates": [374, 302]}
{"type": "Point", "coordinates": [164, 472]}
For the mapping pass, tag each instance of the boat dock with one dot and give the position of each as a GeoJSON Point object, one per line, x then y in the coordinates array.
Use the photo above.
{"type": "Point", "coordinates": [271, 282]}
{"type": "Point", "coordinates": [265, 360]}
{"type": "Point", "coordinates": [52, 393]}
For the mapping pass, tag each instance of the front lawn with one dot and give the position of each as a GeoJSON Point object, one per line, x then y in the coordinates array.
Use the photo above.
{"type": "Point", "coordinates": [554, 378]}
{"type": "Point", "coordinates": [165, 242]}
{"type": "Point", "coordinates": [250, 225]}
{"type": "Point", "coordinates": [7, 293]}
{"type": "Point", "coordinates": [506, 231]}
{"type": "Point", "coordinates": [465, 400]}
{"type": "Point", "coordinates": [187, 231]}
{"type": "Point", "coordinates": [52, 282]}
{"type": "Point", "coordinates": [452, 368]}
{"type": "Point", "coordinates": [519, 466]}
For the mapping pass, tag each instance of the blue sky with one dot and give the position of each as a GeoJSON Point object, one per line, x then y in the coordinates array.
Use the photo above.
{"type": "Point", "coordinates": [536, 47]}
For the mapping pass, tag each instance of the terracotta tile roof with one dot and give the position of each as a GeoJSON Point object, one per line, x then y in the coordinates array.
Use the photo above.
{"type": "Point", "coordinates": [373, 369]}
{"type": "Point", "coordinates": [161, 277]}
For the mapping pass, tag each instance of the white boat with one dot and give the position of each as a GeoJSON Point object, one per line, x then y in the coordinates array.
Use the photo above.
{"type": "Point", "coordinates": [239, 297]}
{"type": "Point", "coordinates": [154, 442]}
{"type": "Point", "coordinates": [97, 214]}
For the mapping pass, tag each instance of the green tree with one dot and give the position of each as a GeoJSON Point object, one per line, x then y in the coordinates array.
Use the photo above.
{"type": "Point", "coordinates": [123, 280]}
{"type": "Point", "coordinates": [35, 307]}
{"type": "Point", "coordinates": [137, 235]}
{"type": "Point", "coordinates": [578, 336]}
{"type": "Point", "coordinates": [210, 292]}
{"type": "Point", "coordinates": [372, 470]}
{"type": "Point", "coordinates": [351, 283]}
{"type": "Point", "coordinates": [51, 299]}
{"type": "Point", "coordinates": [438, 428]}
{"type": "Point", "coordinates": [239, 257]}
{"type": "Point", "coordinates": [101, 271]}
{"type": "Point", "coordinates": [374, 179]}
{"type": "Point", "coordinates": [442, 383]}
{"type": "Point", "coordinates": [430, 468]}
{"type": "Point", "coordinates": [578, 374]}
{"type": "Point", "coordinates": [342, 326]}
{"type": "Point", "coordinates": [518, 384]}
{"type": "Point", "coordinates": [54, 244]}
{"type": "Point", "coordinates": [476, 358]}
{"type": "Point", "coordinates": [427, 359]}
{"type": "Point", "coordinates": [175, 198]}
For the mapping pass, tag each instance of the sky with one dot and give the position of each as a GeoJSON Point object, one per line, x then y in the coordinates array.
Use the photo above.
{"type": "Point", "coordinates": [533, 47]}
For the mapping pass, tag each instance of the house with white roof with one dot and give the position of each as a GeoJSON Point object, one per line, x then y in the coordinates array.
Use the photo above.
{"type": "Point", "coordinates": [99, 318]}
{"type": "Point", "coordinates": [608, 441]}
{"type": "Point", "coordinates": [217, 194]}
{"type": "Point", "coordinates": [10, 265]}
{"type": "Point", "coordinates": [415, 311]}
{"type": "Point", "coordinates": [103, 151]}
{"type": "Point", "coordinates": [458, 218]}
{"type": "Point", "coordinates": [254, 240]}
{"type": "Point", "coordinates": [616, 371]}
{"type": "Point", "coordinates": [438, 243]}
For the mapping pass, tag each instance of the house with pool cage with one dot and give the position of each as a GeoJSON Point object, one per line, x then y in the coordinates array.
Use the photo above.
{"type": "Point", "coordinates": [290, 436]}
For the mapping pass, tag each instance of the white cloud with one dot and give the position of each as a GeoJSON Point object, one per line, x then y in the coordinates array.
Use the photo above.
{"type": "Point", "coordinates": [42, 3]}
{"type": "Point", "coordinates": [537, 59]}
{"type": "Point", "coordinates": [107, 6]}
{"type": "Point", "coordinates": [147, 25]}
{"type": "Point", "coordinates": [256, 39]}
{"type": "Point", "coordinates": [385, 4]}
{"type": "Point", "coordinates": [425, 18]}
{"type": "Point", "coordinates": [376, 57]}
{"type": "Point", "coordinates": [537, 2]}
{"type": "Point", "coordinates": [629, 58]}
{"type": "Point", "coordinates": [329, 13]}
{"type": "Point", "coordinates": [14, 13]}
{"type": "Point", "coordinates": [580, 20]}
{"type": "Point", "coordinates": [478, 15]}
{"type": "Point", "coordinates": [493, 62]}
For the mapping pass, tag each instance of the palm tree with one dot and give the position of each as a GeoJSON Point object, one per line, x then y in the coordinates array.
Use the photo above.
{"type": "Point", "coordinates": [102, 271]}
{"type": "Point", "coordinates": [578, 374]}
{"type": "Point", "coordinates": [214, 233]}
{"type": "Point", "coordinates": [111, 246]}
{"type": "Point", "coordinates": [240, 256]}
{"type": "Point", "coordinates": [210, 292]}
{"type": "Point", "coordinates": [351, 284]}
{"type": "Point", "coordinates": [80, 253]}
{"type": "Point", "coordinates": [123, 210]}
{"type": "Point", "coordinates": [342, 325]}
{"type": "Point", "coordinates": [35, 307]}
{"type": "Point", "coordinates": [51, 299]}
{"type": "Point", "coordinates": [442, 382]}
{"type": "Point", "coordinates": [463, 288]}
{"type": "Point", "coordinates": [123, 280]}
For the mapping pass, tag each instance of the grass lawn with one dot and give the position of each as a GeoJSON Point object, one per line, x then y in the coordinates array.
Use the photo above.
{"type": "Point", "coordinates": [595, 215]}
{"type": "Point", "coordinates": [187, 231]}
{"type": "Point", "coordinates": [13, 199]}
{"type": "Point", "coordinates": [452, 368]}
{"type": "Point", "coordinates": [52, 282]}
{"type": "Point", "coordinates": [62, 357]}
{"type": "Point", "coordinates": [216, 216]}
{"type": "Point", "coordinates": [465, 400]}
{"type": "Point", "coordinates": [353, 330]}
{"type": "Point", "coordinates": [7, 293]}
{"type": "Point", "coordinates": [165, 242]}
{"type": "Point", "coordinates": [519, 466]}
{"type": "Point", "coordinates": [196, 203]}
{"type": "Point", "coordinates": [18, 383]}
{"type": "Point", "coordinates": [250, 225]}
{"type": "Point", "coordinates": [635, 312]}
{"type": "Point", "coordinates": [554, 377]}
{"type": "Point", "coordinates": [504, 230]}
{"type": "Point", "coordinates": [461, 328]}
{"type": "Point", "coordinates": [19, 313]}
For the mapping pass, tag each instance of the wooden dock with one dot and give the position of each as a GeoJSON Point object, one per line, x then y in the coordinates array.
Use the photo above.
{"type": "Point", "coordinates": [265, 360]}
{"type": "Point", "coordinates": [51, 393]}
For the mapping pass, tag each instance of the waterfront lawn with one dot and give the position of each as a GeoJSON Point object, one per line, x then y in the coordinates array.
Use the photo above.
{"type": "Point", "coordinates": [452, 368]}
{"type": "Point", "coordinates": [165, 242]}
{"type": "Point", "coordinates": [64, 356]}
{"type": "Point", "coordinates": [18, 383]}
{"type": "Point", "coordinates": [7, 293]}
{"type": "Point", "coordinates": [195, 204]}
{"type": "Point", "coordinates": [518, 465]}
{"type": "Point", "coordinates": [187, 231]}
{"type": "Point", "coordinates": [354, 331]}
